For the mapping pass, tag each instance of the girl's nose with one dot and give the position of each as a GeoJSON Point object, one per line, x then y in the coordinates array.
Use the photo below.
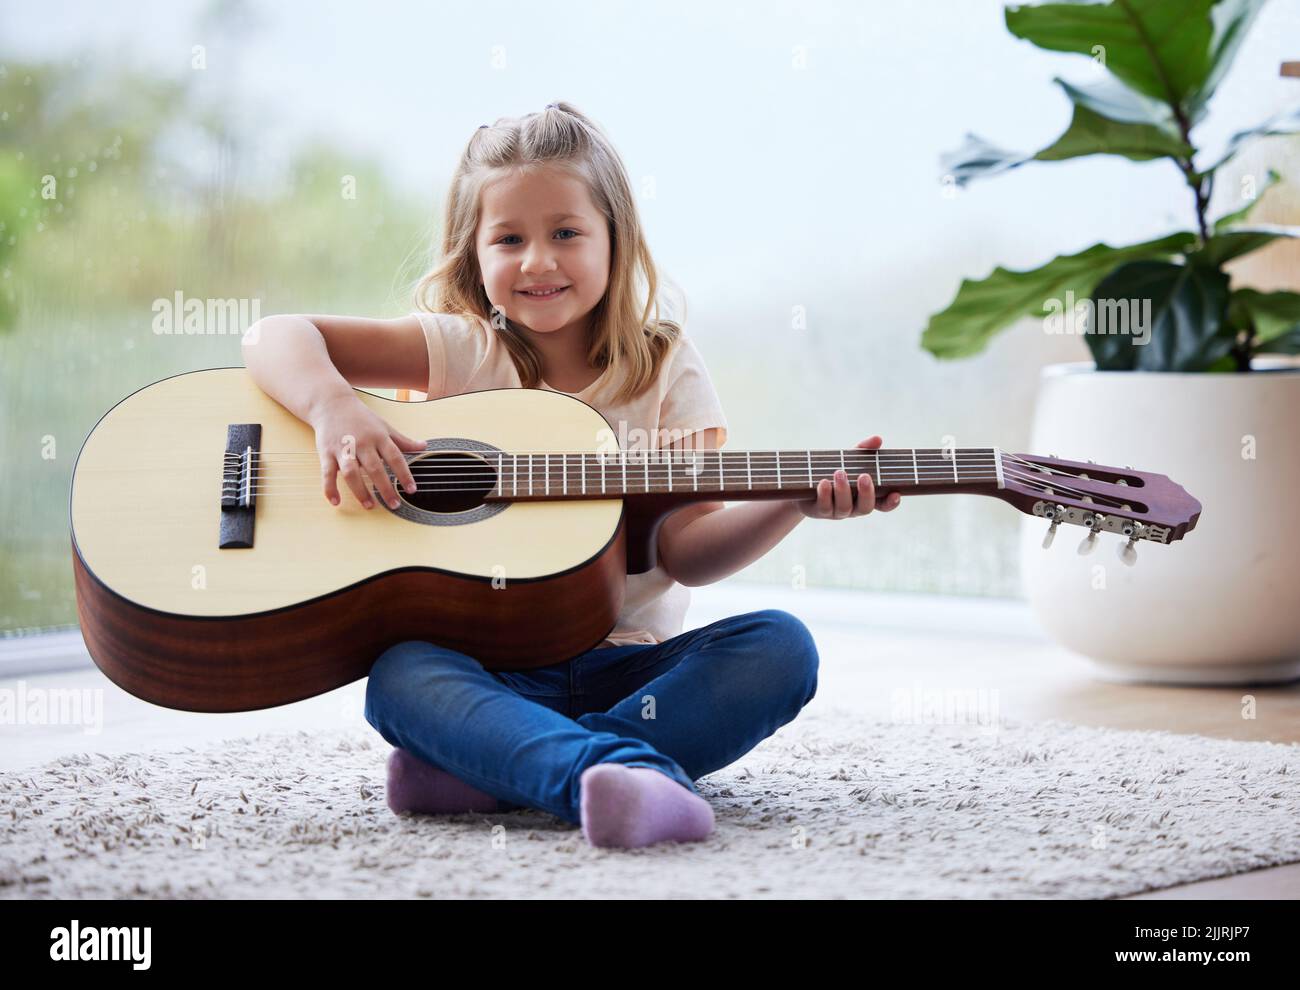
{"type": "Point", "coordinates": [538, 266]}
{"type": "Point", "coordinates": [538, 259]}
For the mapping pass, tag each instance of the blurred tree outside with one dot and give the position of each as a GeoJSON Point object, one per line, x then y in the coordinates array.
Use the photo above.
{"type": "Point", "coordinates": [117, 189]}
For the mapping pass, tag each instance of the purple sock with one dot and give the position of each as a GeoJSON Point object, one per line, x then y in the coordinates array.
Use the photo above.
{"type": "Point", "coordinates": [628, 807]}
{"type": "Point", "coordinates": [414, 785]}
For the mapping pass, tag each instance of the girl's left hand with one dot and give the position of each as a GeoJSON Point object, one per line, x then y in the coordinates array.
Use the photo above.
{"type": "Point", "coordinates": [835, 499]}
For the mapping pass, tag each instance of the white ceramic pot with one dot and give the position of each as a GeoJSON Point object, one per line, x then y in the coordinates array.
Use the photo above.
{"type": "Point", "coordinates": [1220, 606]}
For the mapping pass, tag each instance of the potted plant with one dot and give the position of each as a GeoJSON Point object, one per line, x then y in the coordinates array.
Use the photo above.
{"type": "Point", "coordinates": [1192, 375]}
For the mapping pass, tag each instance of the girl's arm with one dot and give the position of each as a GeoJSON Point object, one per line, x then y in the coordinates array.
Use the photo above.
{"type": "Point", "coordinates": [310, 366]}
{"type": "Point", "coordinates": [307, 362]}
{"type": "Point", "coordinates": [707, 541]}
{"type": "Point", "coordinates": [699, 545]}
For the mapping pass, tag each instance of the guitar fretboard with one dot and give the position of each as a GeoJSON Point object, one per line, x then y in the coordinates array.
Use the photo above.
{"type": "Point", "coordinates": [735, 473]}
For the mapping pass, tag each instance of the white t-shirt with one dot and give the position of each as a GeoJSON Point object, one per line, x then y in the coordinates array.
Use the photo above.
{"type": "Point", "coordinates": [466, 356]}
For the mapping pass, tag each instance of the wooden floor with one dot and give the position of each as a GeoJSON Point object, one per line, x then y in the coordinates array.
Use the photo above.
{"type": "Point", "coordinates": [871, 646]}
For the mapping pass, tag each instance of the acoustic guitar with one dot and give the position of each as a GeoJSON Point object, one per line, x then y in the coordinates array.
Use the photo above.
{"type": "Point", "coordinates": [213, 575]}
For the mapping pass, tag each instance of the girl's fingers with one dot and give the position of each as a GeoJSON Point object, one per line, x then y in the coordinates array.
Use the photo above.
{"type": "Point", "coordinates": [401, 469]}
{"type": "Point", "coordinates": [329, 471]}
{"type": "Point", "coordinates": [843, 496]}
{"type": "Point", "coordinates": [351, 472]}
{"type": "Point", "coordinates": [866, 495]}
{"type": "Point", "coordinates": [375, 470]}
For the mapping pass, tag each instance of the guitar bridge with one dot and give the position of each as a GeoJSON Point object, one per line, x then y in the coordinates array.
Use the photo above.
{"type": "Point", "coordinates": [239, 472]}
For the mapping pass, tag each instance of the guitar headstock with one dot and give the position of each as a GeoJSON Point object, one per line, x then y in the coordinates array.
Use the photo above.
{"type": "Point", "coordinates": [1136, 505]}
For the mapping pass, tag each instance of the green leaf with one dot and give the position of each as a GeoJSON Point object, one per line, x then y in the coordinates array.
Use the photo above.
{"type": "Point", "coordinates": [1172, 318]}
{"type": "Point", "coordinates": [977, 158]}
{"type": "Point", "coordinates": [1160, 48]}
{"type": "Point", "coordinates": [1274, 316]}
{"type": "Point", "coordinates": [1228, 219]}
{"type": "Point", "coordinates": [1112, 119]}
{"type": "Point", "coordinates": [1115, 100]}
{"type": "Point", "coordinates": [1288, 343]}
{"type": "Point", "coordinates": [1225, 245]}
{"type": "Point", "coordinates": [982, 308]}
{"type": "Point", "coordinates": [1285, 122]}
{"type": "Point", "coordinates": [1232, 20]}
{"type": "Point", "coordinates": [1108, 119]}
{"type": "Point", "coordinates": [1227, 363]}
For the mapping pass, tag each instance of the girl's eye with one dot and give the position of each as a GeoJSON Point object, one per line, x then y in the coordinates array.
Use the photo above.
{"type": "Point", "coordinates": [564, 230]}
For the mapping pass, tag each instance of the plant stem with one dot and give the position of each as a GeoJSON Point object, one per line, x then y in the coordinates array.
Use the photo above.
{"type": "Point", "coordinates": [1195, 182]}
{"type": "Point", "coordinates": [1242, 349]}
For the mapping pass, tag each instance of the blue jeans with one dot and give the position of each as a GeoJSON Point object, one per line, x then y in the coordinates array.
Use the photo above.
{"type": "Point", "coordinates": [686, 707]}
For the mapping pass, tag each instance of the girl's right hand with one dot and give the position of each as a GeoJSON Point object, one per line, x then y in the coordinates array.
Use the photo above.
{"type": "Point", "coordinates": [352, 438]}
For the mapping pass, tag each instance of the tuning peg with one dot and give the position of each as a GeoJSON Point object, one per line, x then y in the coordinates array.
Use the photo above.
{"type": "Point", "coordinates": [1058, 513]}
{"type": "Point", "coordinates": [1126, 553]}
{"type": "Point", "coordinates": [1093, 520]}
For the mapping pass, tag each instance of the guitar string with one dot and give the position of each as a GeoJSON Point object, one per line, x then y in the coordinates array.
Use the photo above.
{"type": "Point", "coordinates": [793, 451]}
{"type": "Point", "coordinates": [668, 458]}
{"type": "Point", "coordinates": [888, 454]}
{"type": "Point", "coordinates": [895, 457]}
{"type": "Point", "coordinates": [1045, 488]}
{"type": "Point", "coordinates": [574, 481]}
{"type": "Point", "coordinates": [312, 493]}
{"type": "Point", "coordinates": [575, 487]}
{"type": "Point", "coordinates": [903, 454]}
{"type": "Point", "coordinates": [661, 472]}
{"type": "Point", "coordinates": [660, 469]}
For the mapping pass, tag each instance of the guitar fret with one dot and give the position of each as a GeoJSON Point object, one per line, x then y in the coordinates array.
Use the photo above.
{"type": "Point", "coordinates": [785, 477]}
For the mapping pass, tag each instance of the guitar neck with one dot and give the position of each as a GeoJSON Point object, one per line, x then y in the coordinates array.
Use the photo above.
{"type": "Point", "coordinates": [737, 475]}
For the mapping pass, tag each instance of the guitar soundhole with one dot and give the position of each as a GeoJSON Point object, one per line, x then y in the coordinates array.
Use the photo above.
{"type": "Point", "coordinates": [450, 482]}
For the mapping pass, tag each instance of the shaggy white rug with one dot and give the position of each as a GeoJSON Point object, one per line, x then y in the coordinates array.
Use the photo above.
{"type": "Point", "coordinates": [828, 807]}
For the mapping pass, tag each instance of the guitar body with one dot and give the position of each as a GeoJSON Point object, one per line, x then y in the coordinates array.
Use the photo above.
{"type": "Point", "coordinates": [322, 590]}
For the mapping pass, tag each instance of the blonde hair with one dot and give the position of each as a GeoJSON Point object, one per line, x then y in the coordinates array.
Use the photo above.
{"type": "Point", "coordinates": [628, 337]}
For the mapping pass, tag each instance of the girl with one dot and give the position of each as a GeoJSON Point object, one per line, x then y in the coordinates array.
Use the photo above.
{"type": "Point", "coordinates": [546, 282]}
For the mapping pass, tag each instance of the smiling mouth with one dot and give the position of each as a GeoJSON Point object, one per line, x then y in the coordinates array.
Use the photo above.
{"type": "Point", "coordinates": [546, 295]}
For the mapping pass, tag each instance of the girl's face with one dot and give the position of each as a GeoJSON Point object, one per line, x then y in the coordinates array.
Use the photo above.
{"type": "Point", "coordinates": [538, 231]}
